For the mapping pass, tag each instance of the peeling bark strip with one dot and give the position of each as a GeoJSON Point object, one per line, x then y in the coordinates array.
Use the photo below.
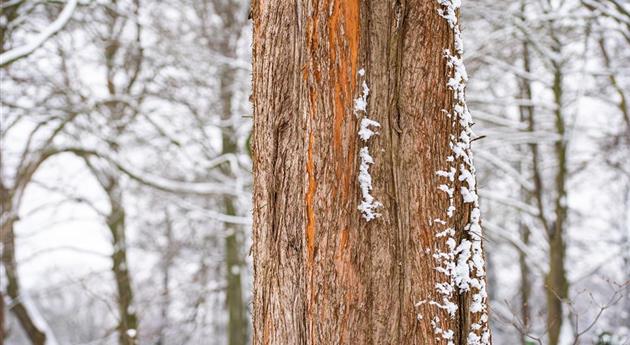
{"type": "Point", "coordinates": [322, 274]}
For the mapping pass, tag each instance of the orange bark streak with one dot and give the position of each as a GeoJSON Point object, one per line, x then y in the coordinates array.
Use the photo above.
{"type": "Point", "coordinates": [310, 213]}
{"type": "Point", "coordinates": [310, 195]}
{"type": "Point", "coordinates": [311, 70]}
{"type": "Point", "coordinates": [344, 51]}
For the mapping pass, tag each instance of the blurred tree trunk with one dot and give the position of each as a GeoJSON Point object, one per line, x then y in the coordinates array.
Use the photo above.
{"type": "Point", "coordinates": [109, 179]}
{"type": "Point", "coordinates": [10, 201]}
{"type": "Point", "coordinates": [527, 116]}
{"type": "Point", "coordinates": [33, 333]}
{"type": "Point", "coordinates": [526, 285]}
{"type": "Point", "coordinates": [322, 273]}
{"type": "Point", "coordinates": [123, 61]}
{"type": "Point", "coordinates": [167, 263]}
{"type": "Point", "coordinates": [233, 22]}
{"type": "Point", "coordinates": [557, 284]}
{"type": "Point", "coordinates": [2, 334]}
{"type": "Point", "coordinates": [128, 321]}
{"type": "Point", "coordinates": [234, 262]}
{"type": "Point", "coordinates": [8, 217]}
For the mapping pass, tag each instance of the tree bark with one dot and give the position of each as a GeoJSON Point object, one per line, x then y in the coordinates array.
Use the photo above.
{"type": "Point", "coordinates": [322, 273]}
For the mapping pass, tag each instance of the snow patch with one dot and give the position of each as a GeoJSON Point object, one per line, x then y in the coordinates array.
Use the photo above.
{"type": "Point", "coordinates": [369, 204]}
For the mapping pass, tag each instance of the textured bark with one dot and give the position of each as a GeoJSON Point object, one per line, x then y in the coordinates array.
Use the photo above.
{"type": "Point", "coordinates": [322, 274]}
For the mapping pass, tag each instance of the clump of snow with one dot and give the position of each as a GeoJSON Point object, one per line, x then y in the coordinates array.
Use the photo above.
{"type": "Point", "coordinates": [360, 104]}
{"type": "Point", "coordinates": [365, 133]}
{"type": "Point", "coordinates": [445, 334]}
{"type": "Point", "coordinates": [369, 204]}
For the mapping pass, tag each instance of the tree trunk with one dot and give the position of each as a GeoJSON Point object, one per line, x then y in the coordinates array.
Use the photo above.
{"type": "Point", "coordinates": [237, 308]}
{"type": "Point", "coordinates": [167, 264]}
{"type": "Point", "coordinates": [234, 262]}
{"type": "Point", "coordinates": [35, 335]}
{"type": "Point", "coordinates": [128, 321]}
{"type": "Point", "coordinates": [109, 179]}
{"type": "Point", "coordinates": [527, 116]}
{"type": "Point", "coordinates": [557, 284]}
{"type": "Point", "coordinates": [232, 24]}
{"type": "Point", "coordinates": [324, 271]}
{"type": "Point", "coordinates": [2, 333]}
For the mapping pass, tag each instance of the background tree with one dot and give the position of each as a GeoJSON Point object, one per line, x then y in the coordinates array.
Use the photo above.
{"type": "Point", "coordinates": [551, 114]}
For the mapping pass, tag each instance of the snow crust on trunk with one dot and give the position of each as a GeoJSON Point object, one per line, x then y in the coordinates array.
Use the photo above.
{"type": "Point", "coordinates": [462, 264]}
{"type": "Point", "coordinates": [367, 129]}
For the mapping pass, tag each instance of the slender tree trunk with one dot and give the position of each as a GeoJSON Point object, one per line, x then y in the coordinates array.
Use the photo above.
{"type": "Point", "coordinates": [325, 272]}
{"type": "Point", "coordinates": [234, 263]}
{"type": "Point", "coordinates": [527, 114]}
{"type": "Point", "coordinates": [557, 284]}
{"type": "Point", "coordinates": [237, 308]}
{"type": "Point", "coordinates": [526, 286]}
{"type": "Point", "coordinates": [233, 22]}
{"type": "Point", "coordinates": [109, 179]}
{"type": "Point", "coordinates": [2, 333]}
{"type": "Point", "coordinates": [128, 321]}
{"type": "Point", "coordinates": [9, 216]}
{"type": "Point", "coordinates": [33, 333]}
{"type": "Point", "coordinates": [167, 263]}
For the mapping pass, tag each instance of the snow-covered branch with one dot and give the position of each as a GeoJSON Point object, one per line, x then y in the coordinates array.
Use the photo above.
{"type": "Point", "coordinates": [519, 205]}
{"type": "Point", "coordinates": [505, 167]}
{"type": "Point", "coordinates": [22, 51]}
{"type": "Point", "coordinates": [158, 182]}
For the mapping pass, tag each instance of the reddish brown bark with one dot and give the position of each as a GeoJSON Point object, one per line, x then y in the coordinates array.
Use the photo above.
{"type": "Point", "coordinates": [322, 274]}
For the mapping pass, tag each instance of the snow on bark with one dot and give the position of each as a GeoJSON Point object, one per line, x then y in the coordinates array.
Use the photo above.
{"type": "Point", "coordinates": [369, 204]}
{"type": "Point", "coordinates": [462, 264]}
